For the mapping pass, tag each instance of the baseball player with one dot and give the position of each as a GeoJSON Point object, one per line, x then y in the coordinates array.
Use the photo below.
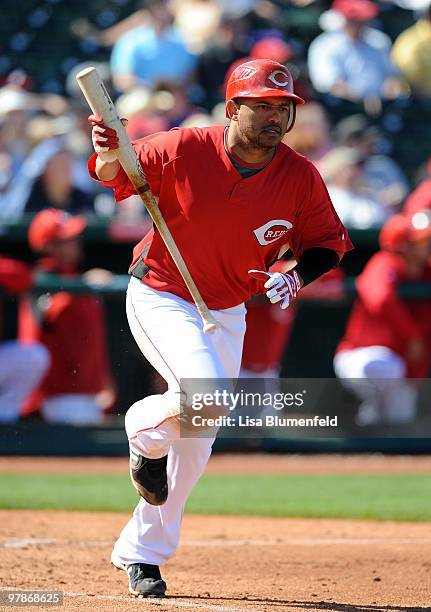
{"type": "Point", "coordinates": [388, 338]}
{"type": "Point", "coordinates": [235, 198]}
{"type": "Point", "coordinates": [78, 386]}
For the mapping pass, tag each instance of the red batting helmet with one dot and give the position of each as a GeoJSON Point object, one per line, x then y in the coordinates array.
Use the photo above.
{"type": "Point", "coordinates": [262, 78]}
{"type": "Point", "coordinates": [401, 229]}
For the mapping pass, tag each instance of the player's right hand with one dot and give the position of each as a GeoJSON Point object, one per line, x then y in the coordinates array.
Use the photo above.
{"type": "Point", "coordinates": [281, 287]}
{"type": "Point", "coordinates": [105, 139]}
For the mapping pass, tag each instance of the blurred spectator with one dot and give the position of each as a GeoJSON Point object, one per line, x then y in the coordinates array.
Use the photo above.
{"type": "Point", "coordinates": [342, 169]}
{"type": "Point", "coordinates": [389, 337]}
{"type": "Point", "coordinates": [170, 102]}
{"type": "Point", "coordinates": [198, 120]}
{"type": "Point", "coordinates": [311, 136]}
{"type": "Point", "coordinates": [22, 365]}
{"type": "Point", "coordinates": [385, 178]}
{"type": "Point", "coordinates": [55, 188]}
{"type": "Point", "coordinates": [197, 20]}
{"type": "Point", "coordinates": [15, 109]}
{"type": "Point", "coordinates": [45, 180]}
{"type": "Point", "coordinates": [272, 47]}
{"type": "Point", "coordinates": [151, 52]}
{"type": "Point", "coordinates": [353, 62]}
{"type": "Point", "coordinates": [420, 198]}
{"type": "Point", "coordinates": [228, 45]}
{"type": "Point", "coordinates": [78, 386]}
{"type": "Point", "coordinates": [411, 53]}
{"type": "Point", "coordinates": [237, 9]}
{"type": "Point", "coordinates": [138, 106]}
{"type": "Point", "coordinates": [412, 5]}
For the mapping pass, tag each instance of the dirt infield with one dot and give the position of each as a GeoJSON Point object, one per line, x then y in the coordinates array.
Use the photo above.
{"type": "Point", "coordinates": [235, 564]}
{"type": "Point", "coordinates": [236, 463]}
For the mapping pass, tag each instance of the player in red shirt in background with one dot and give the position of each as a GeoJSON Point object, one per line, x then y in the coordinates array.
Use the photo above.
{"type": "Point", "coordinates": [235, 198]}
{"type": "Point", "coordinates": [78, 387]}
{"type": "Point", "coordinates": [22, 364]}
{"type": "Point", "coordinates": [387, 336]}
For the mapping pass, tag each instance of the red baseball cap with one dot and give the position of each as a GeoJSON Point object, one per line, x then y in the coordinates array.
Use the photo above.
{"type": "Point", "coordinates": [356, 10]}
{"type": "Point", "coordinates": [401, 229]}
{"type": "Point", "coordinates": [53, 224]}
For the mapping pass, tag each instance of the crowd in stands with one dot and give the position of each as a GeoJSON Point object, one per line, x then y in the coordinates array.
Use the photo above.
{"type": "Point", "coordinates": [166, 62]}
{"type": "Point", "coordinates": [363, 66]}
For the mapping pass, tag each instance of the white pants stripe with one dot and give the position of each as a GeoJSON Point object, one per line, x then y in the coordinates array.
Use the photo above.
{"type": "Point", "coordinates": [168, 330]}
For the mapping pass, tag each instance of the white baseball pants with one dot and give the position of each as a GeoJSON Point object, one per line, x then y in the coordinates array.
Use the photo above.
{"type": "Point", "coordinates": [168, 330]}
{"type": "Point", "coordinates": [376, 374]}
{"type": "Point", "coordinates": [22, 367]}
{"type": "Point", "coordinates": [72, 409]}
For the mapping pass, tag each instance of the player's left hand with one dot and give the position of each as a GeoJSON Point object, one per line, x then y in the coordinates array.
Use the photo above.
{"type": "Point", "coordinates": [104, 138]}
{"type": "Point", "coordinates": [282, 287]}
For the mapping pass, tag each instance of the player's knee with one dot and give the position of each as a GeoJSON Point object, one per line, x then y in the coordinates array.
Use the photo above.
{"type": "Point", "coordinates": [387, 366]}
{"type": "Point", "coordinates": [147, 413]}
{"type": "Point", "coordinates": [132, 418]}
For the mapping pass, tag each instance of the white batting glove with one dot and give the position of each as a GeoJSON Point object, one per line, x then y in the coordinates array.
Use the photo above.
{"type": "Point", "coordinates": [282, 287]}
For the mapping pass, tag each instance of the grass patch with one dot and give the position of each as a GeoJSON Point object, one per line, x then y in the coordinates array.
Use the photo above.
{"type": "Point", "coordinates": [390, 497]}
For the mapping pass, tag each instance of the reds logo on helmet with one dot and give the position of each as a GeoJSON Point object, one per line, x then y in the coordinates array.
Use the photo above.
{"type": "Point", "coordinates": [272, 231]}
{"type": "Point", "coordinates": [279, 78]}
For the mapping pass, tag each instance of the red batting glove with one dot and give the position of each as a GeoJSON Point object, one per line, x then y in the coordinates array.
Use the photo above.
{"type": "Point", "coordinates": [283, 287]}
{"type": "Point", "coordinates": [105, 139]}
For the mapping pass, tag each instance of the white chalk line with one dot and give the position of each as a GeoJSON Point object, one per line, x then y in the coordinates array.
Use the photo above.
{"type": "Point", "coordinates": [308, 542]}
{"type": "Point", "coordinates": [161, 601]}
{"type": "Point", "coordinates": [25, 542]}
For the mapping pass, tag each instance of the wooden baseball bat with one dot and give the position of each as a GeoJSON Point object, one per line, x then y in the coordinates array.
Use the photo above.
{"type": "Point", "coordinates": [101, 104]}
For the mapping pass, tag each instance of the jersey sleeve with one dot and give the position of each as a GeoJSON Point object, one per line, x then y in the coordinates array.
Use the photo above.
{"type": "Point", "coordinates": [377, 288]}
{"type": "Point", "coordinates": [316, 223]}
{"type": "Point", "coordinates": [153, 152]}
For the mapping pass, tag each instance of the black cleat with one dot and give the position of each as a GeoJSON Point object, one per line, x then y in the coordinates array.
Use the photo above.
{"type": "Point", "coordinates": [149, 478]}
{"type": "Point", "coordinates": [144, 579]}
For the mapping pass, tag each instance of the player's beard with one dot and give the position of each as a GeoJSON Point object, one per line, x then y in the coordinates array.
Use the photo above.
{"type": "Point", "coordinates": [260, 139]}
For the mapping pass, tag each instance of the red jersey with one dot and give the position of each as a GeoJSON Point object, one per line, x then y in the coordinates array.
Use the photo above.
{"type": "Point", "coordinates": [225, 225]}
{"type": "Point", "coordinates": [72, 327]}
{"type": "Point", "coordinates": [381, 318]}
